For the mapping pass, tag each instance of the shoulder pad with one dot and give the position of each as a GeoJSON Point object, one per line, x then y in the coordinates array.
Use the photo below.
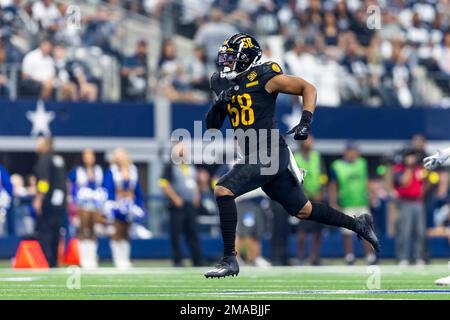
{"type": "Point", "coordinates": [271, 66]}
{"type": "Point", "coordinates": [267, 71]}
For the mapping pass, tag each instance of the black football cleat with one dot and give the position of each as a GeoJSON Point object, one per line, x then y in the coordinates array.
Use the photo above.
{"type": "Point", "coordinates": [227, 266]}
{"type": "Point", "coordinates": [365, 231]}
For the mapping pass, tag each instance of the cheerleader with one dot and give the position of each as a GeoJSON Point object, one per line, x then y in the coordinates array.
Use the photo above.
{"type": "Point", "coordinates": [6, 191]}
{"type": "Point", "coordinates": [124, 204]}
{"type": "Point", "coordinates": [88, 196]}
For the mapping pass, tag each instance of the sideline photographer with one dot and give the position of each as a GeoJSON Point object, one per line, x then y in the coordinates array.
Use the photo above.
{"type": "Point", "coordinates": [411, 222]}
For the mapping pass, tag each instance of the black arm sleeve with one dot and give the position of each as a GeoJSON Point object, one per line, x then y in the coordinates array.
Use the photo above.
{"type": "Point", "coordinates": [216, 114]}
{"type": "Point", "coordinates": [215, 117]}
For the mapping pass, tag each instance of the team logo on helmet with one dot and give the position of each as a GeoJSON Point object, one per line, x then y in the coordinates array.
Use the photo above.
{"type": "Point", "coordinates": [237, 54]}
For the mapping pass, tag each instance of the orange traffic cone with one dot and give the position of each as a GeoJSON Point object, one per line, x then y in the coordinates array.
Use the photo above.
{"type": "Point", "coordinates": [72, 256]}
{"type": "Point", "coordinates": [61, 248]}
{"type": "Point", "coordinates": [30, 255]}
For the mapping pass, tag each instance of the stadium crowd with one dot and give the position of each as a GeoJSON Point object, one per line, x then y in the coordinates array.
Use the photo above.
{"type": "Point", "coordinates": [374, 53]}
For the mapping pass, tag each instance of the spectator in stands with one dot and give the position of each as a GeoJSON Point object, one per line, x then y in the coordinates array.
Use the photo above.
{"type": "Point", "coordinates": [343, 16]}
{"type": "Point", "coordinates": [328, 87]}
{"type": "Point", "coordinates": [154, 7]}
{"type": "Point", "coordinates": [211, 34]}
{"type": "Point", "coordinates": [198, 71]}
{"type": "Point", "coordinates": [411, 221]}
{"type": "Point", "coordinates": [100, 30]}
{"type": "Point", "coordinates": [46, 14]}
{"type": "Point", "coordinates": [193, 13]}
{"type": "Point", "coordinates": [179, 184]}
{"type": "Point", "coordinates": [265, 18]}
{"type": "Point", "coordinates": [73, 77]}
{"type": "Point", "coordinates": [417, 33]}
{"type": "Point", "coordinates": [173, 80]}
{"type": "Point", "coordinates": [66, 90]}
{"type": "Point", "coordinates": [134, 73]}
{"type": "Point", "coordinates": [397, 77]}
{"type": "Point", "coordinates": [329, 29]}
{"type": "Point", "coordinates": [376, 95]}
{"type": "Point", "coordinates": [38, 71]}
{"type": "Point", "coordinates": [349, 190]}
{"type": "Point", "coordinates": [302, 61]}
{"type": "Point", "coordinates": [316, 178]}
{"type": "Point", "coordinates": [10, 57]}
{"type": "Point", "coordinates": [354, 84]}
{"type": "Point", "coordinates": [441, 71]}
{"type": "Point", "coordinates": [13, 54]}
{"type": "Point", "coordinates": [68, 28]}
{"type": "Point", "coordinates": [359, 27]}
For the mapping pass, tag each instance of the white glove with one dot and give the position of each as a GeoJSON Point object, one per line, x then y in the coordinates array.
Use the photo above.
{"type": "Point", "coordinates": [434, 161]}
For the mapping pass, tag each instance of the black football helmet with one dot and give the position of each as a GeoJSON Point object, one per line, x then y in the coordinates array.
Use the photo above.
{"type": "Point", "coordinates": [237, 54]}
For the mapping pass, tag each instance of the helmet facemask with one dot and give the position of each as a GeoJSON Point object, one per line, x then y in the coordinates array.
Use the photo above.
{"type": "Point", "coordinates": [231, 64]}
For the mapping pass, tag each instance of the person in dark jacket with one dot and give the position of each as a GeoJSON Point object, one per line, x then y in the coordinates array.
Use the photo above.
{"type": "Point", "coordinates": [50, 200]}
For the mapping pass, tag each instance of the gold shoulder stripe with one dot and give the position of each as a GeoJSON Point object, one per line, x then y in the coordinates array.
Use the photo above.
{"type": "Point", "coordinates": [252, 84]}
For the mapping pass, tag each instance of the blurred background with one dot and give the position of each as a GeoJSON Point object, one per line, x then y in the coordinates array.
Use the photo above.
{"type": "Point", "coordinates": [108, 74]}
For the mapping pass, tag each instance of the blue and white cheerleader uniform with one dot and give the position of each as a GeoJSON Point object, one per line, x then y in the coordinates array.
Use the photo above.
{"type": "Point", "coordinates": [87, 193]}
{"type": "Point", "coordinates": [118, 206]}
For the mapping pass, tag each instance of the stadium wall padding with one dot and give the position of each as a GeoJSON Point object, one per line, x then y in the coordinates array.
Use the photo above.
{"type": "Point", "coordinates": [347, 122]}
{"type": "Point", "coordinates": [128, 119]}
{"type": "Point", "coordinates": [122, 120]}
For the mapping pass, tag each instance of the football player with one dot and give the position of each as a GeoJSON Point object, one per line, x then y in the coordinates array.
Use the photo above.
{"type": "Point", "coordinates": [246, 92]}
{"type": "Point", "coordinates": [431, 163]}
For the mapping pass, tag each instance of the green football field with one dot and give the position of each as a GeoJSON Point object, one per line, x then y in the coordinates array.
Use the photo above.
{"type": "Point", "coordinates": [325, 282]}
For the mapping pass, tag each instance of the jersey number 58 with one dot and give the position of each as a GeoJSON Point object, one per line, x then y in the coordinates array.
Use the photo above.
{"type": "Point", "coordinates": [246, 116]}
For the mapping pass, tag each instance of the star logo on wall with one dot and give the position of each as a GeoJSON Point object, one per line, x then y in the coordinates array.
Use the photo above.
{"type": "Point", "coordinates": [40, 120]}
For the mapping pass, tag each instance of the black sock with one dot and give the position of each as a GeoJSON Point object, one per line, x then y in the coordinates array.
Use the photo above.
{"type": "Point", "coordinates": [228, 222]}
{"type": "Point", "coordinates": [327, 215]}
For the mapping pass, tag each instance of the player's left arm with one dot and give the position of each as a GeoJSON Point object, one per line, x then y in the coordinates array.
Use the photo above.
{"type": "Point", "coordinates": [300, 87]}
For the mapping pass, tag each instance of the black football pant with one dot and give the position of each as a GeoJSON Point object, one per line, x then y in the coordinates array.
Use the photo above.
{"type": "Point", "coordinates": [48, 233]}
{"type": "Point", "coordinates": [282, 186]}
{"type": "Point", "coordinates": [184, 220]}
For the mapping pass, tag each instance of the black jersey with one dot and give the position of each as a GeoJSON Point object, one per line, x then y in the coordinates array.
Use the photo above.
{"type": "Point", "coordinates": [251, 107]}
